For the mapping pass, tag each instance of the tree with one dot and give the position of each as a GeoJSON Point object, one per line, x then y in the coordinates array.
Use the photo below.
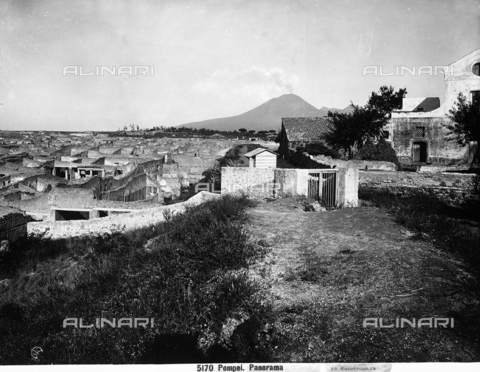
{"type": "Point", "coordinates": [273, 131]}
{"type": "Point", "coordinates": [251, 131]}
{"type": "Point", "coordinates": [132, 127]}
{"type": "Point", "coordinates": [242, 130]}
{"type": "Point", "coordinates": [380, 151]}
{"type": "Point", "coordinates": [138, 128]}
{"type": "Point", "coordinates": [349, 132]}
{"type": "Point", "coordinates": [213, 175]}
{"type": "Point", "coordinates": [465, 125]}
{"type": "Point", "coordinates": [386, 100]}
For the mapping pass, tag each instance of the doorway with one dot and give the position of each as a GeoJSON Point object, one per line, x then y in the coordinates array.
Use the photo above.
{"type": "Point", "coordinates": [419, 152]}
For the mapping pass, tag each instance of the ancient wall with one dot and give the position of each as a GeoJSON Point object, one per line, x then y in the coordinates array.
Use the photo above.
{"type": "Point", "coordinates": [29, 163]}
{"type": "Point", "coordinates": [453, 188]}
{"type": "Point", "coordinates": [113, 223]}
{"type": "Point", "coordinates": [170, 170]}
{"type": "Point", "coordinates": [307, 161]}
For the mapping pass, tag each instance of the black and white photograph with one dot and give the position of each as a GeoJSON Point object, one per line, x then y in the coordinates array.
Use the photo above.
{"type": "Point", "coordinates": [240, 185]}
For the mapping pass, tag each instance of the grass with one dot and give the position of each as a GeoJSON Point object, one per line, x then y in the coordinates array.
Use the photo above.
{"type": "Point", "coordinates": [229, 281]}
{"type": "Point", "coordinates": [189, 274]}
{"type": "Point", "coordinates": [430, 219]}
{"type": "Point", "coordinates": [449, 230]}
{"type": "Point", "coordinates": [331, 270]}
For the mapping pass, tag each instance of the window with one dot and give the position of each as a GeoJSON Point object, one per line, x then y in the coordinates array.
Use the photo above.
{"type": "Point", "coordinates": [476, 97]}
{"type": "Point", "coordinates": [419, 132]}
{"type": "Point", "coordinates": [386, 134]}
{"type": "Point", "coordinates": [476, 69]}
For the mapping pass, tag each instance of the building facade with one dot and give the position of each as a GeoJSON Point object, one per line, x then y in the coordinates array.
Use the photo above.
{"type": "Point", "coordinates": [417, 131]}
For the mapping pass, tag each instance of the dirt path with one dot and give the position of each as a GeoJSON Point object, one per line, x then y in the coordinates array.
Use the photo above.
{"type": "Point", "coordinates": [328, 271]}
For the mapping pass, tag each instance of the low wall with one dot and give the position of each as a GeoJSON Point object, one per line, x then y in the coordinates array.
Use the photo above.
{"type": "Point", "coordinates": [452, 188]}
{"type": "Point", "coordinates": [305, 160]}
{"type": "Point", "coordinates": [279, 182]}
{"type": "Point", "coordinates": [114, 223]}
{"type": "Point", "coordinates": [255, 181]}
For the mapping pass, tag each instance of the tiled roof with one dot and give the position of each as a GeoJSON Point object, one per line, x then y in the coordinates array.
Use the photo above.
{"type": "Point", "coordinates": [305, 129]}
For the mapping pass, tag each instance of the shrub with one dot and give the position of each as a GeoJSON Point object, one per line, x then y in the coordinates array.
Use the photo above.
{"type": "Point", "coordinates": [381, 151]}
{"type": "Point", "coordinates": [189, 274]}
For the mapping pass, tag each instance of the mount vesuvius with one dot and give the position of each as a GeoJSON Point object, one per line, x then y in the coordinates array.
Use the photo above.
{"type": "Point", "coordinates": [266, 116]}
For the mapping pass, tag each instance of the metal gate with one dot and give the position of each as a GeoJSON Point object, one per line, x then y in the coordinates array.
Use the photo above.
{"type": "Point", "coordinates": [323, 186]}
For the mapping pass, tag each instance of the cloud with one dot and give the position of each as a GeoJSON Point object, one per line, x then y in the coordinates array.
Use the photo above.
{"type": "Point", "coordinates": [255, 81]}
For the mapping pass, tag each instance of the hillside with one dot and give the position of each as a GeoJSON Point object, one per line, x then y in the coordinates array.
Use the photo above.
{"type": "Point", "coordinates": [266, 116]}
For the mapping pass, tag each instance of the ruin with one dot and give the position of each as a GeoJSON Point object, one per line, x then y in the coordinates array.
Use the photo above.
{"type": "Point", "coordinates": [80, 177]}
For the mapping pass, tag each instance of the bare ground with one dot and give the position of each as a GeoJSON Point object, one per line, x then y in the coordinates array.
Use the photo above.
{"type": "Point", "coordinates": [328, 271]}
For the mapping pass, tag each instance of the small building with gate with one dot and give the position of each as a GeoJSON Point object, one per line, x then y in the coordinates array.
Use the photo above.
{"type": "Point", "coordinates": [332, 187]}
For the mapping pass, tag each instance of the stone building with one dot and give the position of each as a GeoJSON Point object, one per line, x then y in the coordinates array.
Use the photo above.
{"type": "Point", "coordinates": [417, 131]}
{"type": "Point", "coordinates": [298, 132]}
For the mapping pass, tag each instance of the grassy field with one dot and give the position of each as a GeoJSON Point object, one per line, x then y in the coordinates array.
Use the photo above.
{"type": "Point", "coordinates": [329, 271]}
{"type": "Point", "coordinates": [234, 280]}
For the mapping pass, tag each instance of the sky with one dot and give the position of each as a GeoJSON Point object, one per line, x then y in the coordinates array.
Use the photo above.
{"type": "Point", "coordinates": [207, 59]}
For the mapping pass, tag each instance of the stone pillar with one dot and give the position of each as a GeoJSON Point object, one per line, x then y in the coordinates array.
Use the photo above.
{"type": "Point", "coordinates": [348, 187]}
{"type": "Point", "coordinates": [302, 182]}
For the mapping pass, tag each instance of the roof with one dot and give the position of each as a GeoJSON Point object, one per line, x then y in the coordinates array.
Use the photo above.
{"type": "Point", "coordinates": [305, 129]}
{"type": "Point", "coordinates": [426, 104]}
{"type": "Point", "coordinates": [258, 151]}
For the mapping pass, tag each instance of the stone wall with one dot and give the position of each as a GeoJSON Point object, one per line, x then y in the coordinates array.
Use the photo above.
{"type": "Point", "coordinates": [305, 160]}
{"type": "Point", "coordinates": [452, 188]}
{"type": "Point", "coordinates": [113, 223]}
{"type": "Point", "coordinates": [287, 181]}
{"type": "Point", "coordinates": [255, 181]}
{"type": "Point", "coordinates": [276, 182]}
